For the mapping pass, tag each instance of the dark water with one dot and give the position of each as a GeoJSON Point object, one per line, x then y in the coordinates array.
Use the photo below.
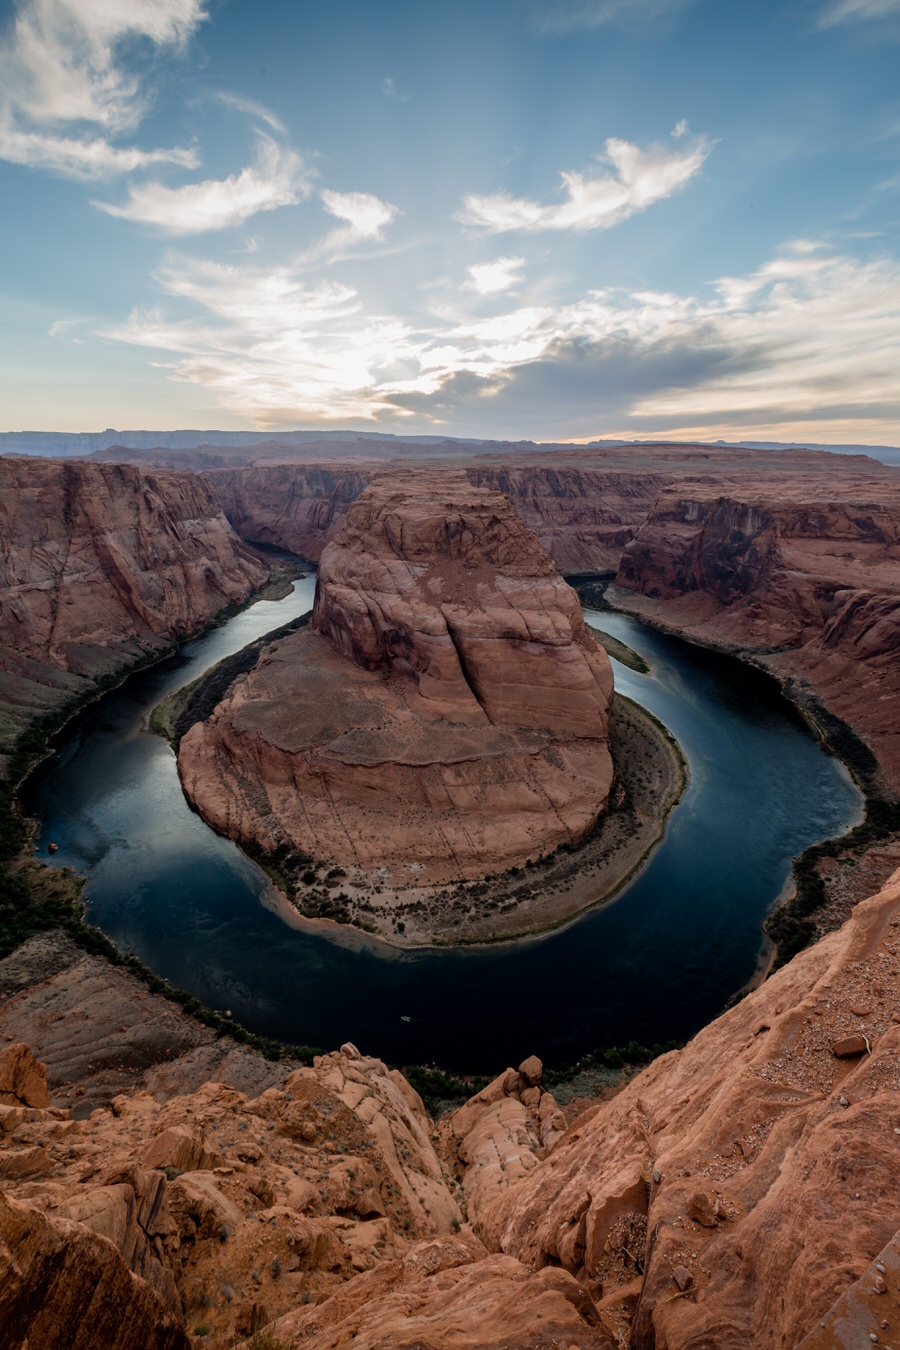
{"type": "Point", "coordinates": [656, 963]}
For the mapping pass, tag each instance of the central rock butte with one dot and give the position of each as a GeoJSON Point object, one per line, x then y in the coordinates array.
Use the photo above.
{"type": "Point", "coordinates": [447, 716]}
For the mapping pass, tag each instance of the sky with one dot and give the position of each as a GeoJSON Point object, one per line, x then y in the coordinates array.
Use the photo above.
{"type": "Point", "coordinates": [520, 219]}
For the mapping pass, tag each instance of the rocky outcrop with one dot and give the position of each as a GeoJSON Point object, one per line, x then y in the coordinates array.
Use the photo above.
{"type": "Point", "coordinates": [744, 1189]}
{"type": "Point", "coordinates": [99, 565]}
{"type": "Point", "coordinates": [811, 584]}
{"type": "Point", "coordinates": [448, 717]}
{"type": "Point", "coordinates": [291, 506]}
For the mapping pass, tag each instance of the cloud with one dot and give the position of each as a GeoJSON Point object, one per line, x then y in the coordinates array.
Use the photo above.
{"type": "Point", "coordinates": [82, 158]}
{"type": "Point", "coordinates": [638, 178]}
{"type": "Point", "coordinates": [279, 178]}
{"type": "Point", "coordinates": [806, 337]}
{"type": "Point", "coordinates": [76, 62]}
{"type": "Point", "coordinates": [570, 16]}
{"type": "Point", "coordinates": [852, 11]}
{"type": "Point", "coordinates": [390, 90]}
{"type": "Point", "coordinates": [251, 108]}
{"type": "Point", "coordinates": [365, 219]}
{"type": "Point", "coordinates": [490, 278]}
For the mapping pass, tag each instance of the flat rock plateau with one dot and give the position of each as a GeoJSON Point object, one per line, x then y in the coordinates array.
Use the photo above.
{"type": "Point", "coordinates": [446, 718]}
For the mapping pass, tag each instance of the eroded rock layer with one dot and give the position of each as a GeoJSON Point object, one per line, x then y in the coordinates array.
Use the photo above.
{"type": "Point", "coordinates": [809, 582]}
{"type": "Point", "coordinates": [100, 564]}
{"type": "Point", "coordinates": [447, 718]}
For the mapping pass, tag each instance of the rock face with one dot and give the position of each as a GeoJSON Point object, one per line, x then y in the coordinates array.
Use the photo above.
{"type": "Point", "coordinates": [448, 717]}
{"type": "Point", "coordinates": [100, 564]}
{"type": "Point", "coordinates": [740, 1191]}
{"type": "Point", "coordinates": [810, 583]}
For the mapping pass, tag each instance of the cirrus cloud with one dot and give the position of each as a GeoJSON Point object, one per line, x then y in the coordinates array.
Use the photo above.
{"type": "Point", "coordinates": [634, 180]}
{"type": "Point", "coordinates": [278, 178]}
{"type": "Point", "coordinates": [79, 62]}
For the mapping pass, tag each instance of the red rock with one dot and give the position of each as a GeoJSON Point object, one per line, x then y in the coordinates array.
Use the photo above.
{"type": "Point", "coordinates": [849, 1046]}
{"type": "Point", "coordinates": [532, 1070]}
{"type": "Point", "coordinates": [449, 717]}
{"type": "Point", "coordinates": [859, 1010]}
{"type": "Point", "coordinates": [23, 1080]}
{"type": "Point", "coordinates": [682, 1277]}
{"type": "Point", "coordinates": [703, 1209]}
{"type": "Point", "coordinates": [101, 564]}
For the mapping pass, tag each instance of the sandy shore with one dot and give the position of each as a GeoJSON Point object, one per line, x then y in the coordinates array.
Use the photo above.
{"type": "Point", "coordinates": [651, 776]}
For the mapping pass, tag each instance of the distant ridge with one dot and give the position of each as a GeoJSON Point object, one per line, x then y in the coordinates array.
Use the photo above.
{"type": "Point", "coordinates": [80, 444]}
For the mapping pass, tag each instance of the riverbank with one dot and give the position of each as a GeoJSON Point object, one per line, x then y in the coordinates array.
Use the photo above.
{"type": "Point", "coordinates": [830, 876]}
{"type": "Point", "coordinates": [651, 776]}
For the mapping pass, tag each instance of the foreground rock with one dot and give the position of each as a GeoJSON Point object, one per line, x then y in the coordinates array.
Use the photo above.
{"type": "Point", "coordinates": [448, 718]}
{"type": "Point", "coordinates": [101, 564]}
{"type": "Point", "coordinates": [734, 1191]}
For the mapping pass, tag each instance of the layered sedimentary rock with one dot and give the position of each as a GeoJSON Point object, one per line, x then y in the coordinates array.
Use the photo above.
{"type": "Point", "coordinates": [810, 582]}
{"type": "Point", "coordinates": [100, 564]}
{"type": "Point", "coordinates": [447, 718]}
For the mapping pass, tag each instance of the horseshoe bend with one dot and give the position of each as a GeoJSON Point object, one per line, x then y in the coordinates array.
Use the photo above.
{"type": "Point", "coordinates": [444, 717]}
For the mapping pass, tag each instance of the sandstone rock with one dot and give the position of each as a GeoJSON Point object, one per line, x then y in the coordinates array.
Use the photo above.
{"type": "Point", "coordinates": [449, 1295]}
{"type": "Point", "coordinates": [848, 1046]}
{"type": "Point", "coordinates": [532, 1070]}
{"type": "Point", "coordinates": [65, 1287]}
{"type": "Point", "coordinates": [449, 717]}
{"type": "Point", "coordinates": [99, 565]}
{"type": "Point", "coordinates": [23, 1081]}
{"type": "Point", "coordinates": [703, 1209]}
{"type": "Point", "coordinates": [810, 1194]}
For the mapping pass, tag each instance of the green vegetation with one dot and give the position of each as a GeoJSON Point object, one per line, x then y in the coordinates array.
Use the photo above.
{"type": "Point", "coordinates": [440, 1090]}
{"type": "Point", "coordinates": [616, 1057]}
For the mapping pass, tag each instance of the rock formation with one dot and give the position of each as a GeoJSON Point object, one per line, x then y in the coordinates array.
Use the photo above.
{"type": "Point", "coordinates": [743, 1190]}
{"type": "Point", "coordinates": [448, 717]}
{"type": "Point", "coordinates": [809, 583]}
{"type": "Point", "coordinates": [99, 565]}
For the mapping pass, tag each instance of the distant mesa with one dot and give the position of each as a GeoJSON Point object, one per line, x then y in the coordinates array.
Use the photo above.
{"type": "Point", "coordinates": [445, 717]}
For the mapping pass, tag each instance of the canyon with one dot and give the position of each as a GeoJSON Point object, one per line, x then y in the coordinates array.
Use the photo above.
{"type": "Point", "coordinates": [163, 1187]}
{"type": "Point", "coordinates": [445, 717]}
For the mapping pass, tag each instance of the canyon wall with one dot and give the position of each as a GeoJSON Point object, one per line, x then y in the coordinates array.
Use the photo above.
{"type": "Point", "coordinates": [99, 565]}
{"type": "Point", "coordinates": [447, 718]}
{"type": "Point", "coordinates": [582, 517]}
{"type": "Point", "coordinates": [807, 582]}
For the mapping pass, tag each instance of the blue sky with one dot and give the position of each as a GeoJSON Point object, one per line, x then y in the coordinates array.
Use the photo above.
{"type": "Point", "coordinates": [522, 218]}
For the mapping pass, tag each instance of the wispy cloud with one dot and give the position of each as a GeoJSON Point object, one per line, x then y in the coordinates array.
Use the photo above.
{"type": "Point", "coordinates": [808, 335]}
{"type": "Point", "coordinates": [365, 218]}
{"type": "Point", "coordinates": [278, 178]}
{"type": "Point", "coordinates": [76, 157]}
{"type": "Point", "coordinates": [569, 16]}
{"type": "Point", "coordinates": [856, 11]}
{"type": "Point", "coordinates": [72, 63]}
{"type": "Point", "coordinates": [634, 180]}
{"type": "Point", "coordinates": [391, 90]}
{"type": "Point", "coordinates": [490, 278]}
{"type": "Point", "coordinates": [251, 108]}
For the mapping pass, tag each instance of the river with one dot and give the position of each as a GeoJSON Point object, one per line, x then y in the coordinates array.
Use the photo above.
{"type": "Point", "coordinates": [658, 962]}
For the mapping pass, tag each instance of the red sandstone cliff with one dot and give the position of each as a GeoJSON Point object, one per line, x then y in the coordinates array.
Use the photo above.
{"type": "Point", "coordinates": [448, 718]}
{"type": "Point", "coordinates": [99, 564]}
{"type": "Point", "coordinates": [810, 582]}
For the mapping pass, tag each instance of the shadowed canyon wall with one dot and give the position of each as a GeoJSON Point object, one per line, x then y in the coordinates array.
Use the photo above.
{"type": "Point", "coordinates": [101, 564]}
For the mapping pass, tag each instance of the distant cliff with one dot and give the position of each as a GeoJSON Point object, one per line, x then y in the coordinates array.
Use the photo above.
{"type": "Point", "coordinates": [583, 517]}
{"type": "Point", "coordinates": [99, 565]}
{"type": "Point", "coordinates": [809, 582]}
